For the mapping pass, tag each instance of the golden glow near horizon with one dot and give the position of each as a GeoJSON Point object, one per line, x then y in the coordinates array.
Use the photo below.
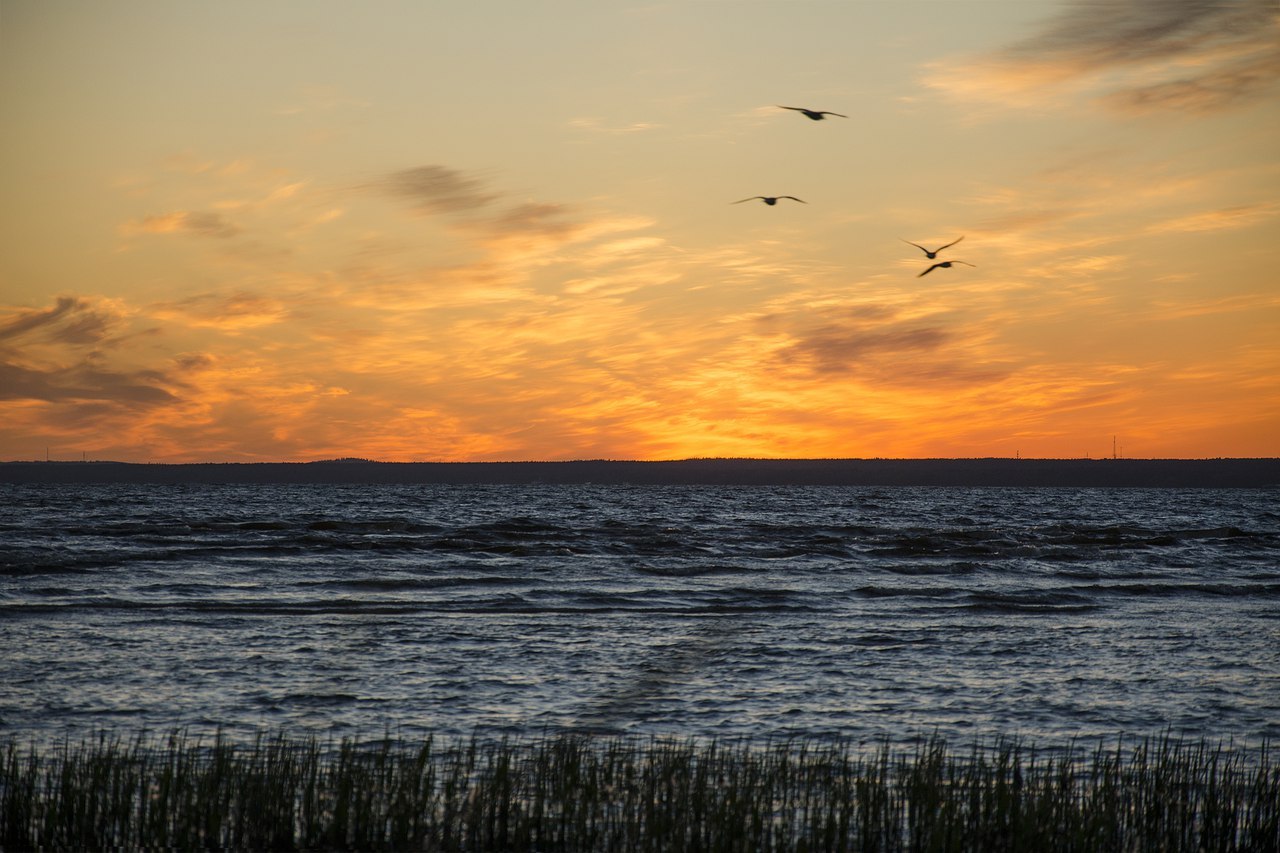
{"type": "Point", "coordinates": [407, 231]}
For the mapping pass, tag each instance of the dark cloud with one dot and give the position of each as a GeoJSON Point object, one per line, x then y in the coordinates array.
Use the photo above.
{"type": "Point", "coordinates": [534, 218]}
{"type": "Point", "coordinates": [70, 320]}
{"type": "Point", "coordinates": [839, 348]}
{"type": "Point", "coordinates": [82, 383]}
{"type": "Point", "coordinates": [529, 217]}
{"type": "Point", "coordinates": [194, 361]}
{"type": "Point", "coordinates": [79, 332]}
{"type": "Point", "coordinates": [441, 190]}
{"type": "Point", "coordinates": [438, 189]}
{"type": "Point", "coordinates": [1208, 91]}
{"type": "Point", "coordinates": [1227, 51]}
{"type": "Point", "coordinates": [209, 225]}
{"type": "Point", "coordinates": [1135, 30]}
{"type": "Point", "coordinates": [874, 344]}
{"type": "Point", "coordinates": [26, 321]}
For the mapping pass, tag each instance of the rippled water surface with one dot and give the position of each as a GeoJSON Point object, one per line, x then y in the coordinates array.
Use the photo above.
{"type": "Point", "coordinates": [1047, 613]}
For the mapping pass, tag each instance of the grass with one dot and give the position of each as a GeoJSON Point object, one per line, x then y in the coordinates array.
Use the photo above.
{"type": "Point", "coordinates": [576, 793]}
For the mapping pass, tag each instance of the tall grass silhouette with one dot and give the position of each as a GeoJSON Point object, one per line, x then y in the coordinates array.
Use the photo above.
{"type": "Point", "coordinates": [575, 793]}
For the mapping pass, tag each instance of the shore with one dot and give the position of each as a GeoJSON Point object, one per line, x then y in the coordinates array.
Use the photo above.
{"type": "Point", "coordinates": [1074, 473]}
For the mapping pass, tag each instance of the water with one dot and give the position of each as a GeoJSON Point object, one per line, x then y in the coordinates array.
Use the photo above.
{"type": "Point", "coordinates": [1049, 614]}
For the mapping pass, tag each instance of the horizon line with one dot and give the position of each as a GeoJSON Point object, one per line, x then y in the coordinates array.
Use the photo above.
{"type": "Point", "coordinates": [608, 460]}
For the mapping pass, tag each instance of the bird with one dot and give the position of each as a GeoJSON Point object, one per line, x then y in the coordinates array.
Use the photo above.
{"type": "Point", "coordinates": [816, 115]}
{"type": "Point", "coordinates": [934, 253]}
{"type": "Point", "coordinates": [770, 199]}
{"type": "Point", "coordinates": [946, 264]}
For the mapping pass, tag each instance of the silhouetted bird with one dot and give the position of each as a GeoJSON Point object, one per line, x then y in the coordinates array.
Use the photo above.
{"type": "Point", "coordinates": [934, 253]}
{"type": "Point", "coordinates": [946, 264]}
{"type": "Point", "coordinates": [816, 115]}
{"type": "Point", "coordinates": [770, 199]}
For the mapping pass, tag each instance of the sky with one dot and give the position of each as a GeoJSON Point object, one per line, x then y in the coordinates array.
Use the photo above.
{"type": "Point", "coordinates": [480, 230]}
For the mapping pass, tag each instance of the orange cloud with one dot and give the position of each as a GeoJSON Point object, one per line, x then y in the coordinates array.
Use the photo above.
{"type": "Point", "coordinates": [1247, 302]}
{"type": "Point", "coordinates": [546, 330]}
{"type": "Point", "coordinates": [60, 366]}
{"type": "Point", "coordinates": [202, 224]}
{"type": "Point", "coordinates": [230, 312]}
{"type": "Point", "coordinates": [1236, 216]}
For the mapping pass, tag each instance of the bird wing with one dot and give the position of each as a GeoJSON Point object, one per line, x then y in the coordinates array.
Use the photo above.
{"type": "Point", "coordinates": [929, 270]}
{"type": "Point", "coordinates": [797, 109]}
{"type": "Point", "coordinates": [917, 245]}
{"type": "Point", "coordinates": [952, 243]}
{"type": "Point", "coordinates": [793, 198]}
{"type": "Point", "coordinates": [740, 201]}
{"type": "Point", "coordinates": [842, 115]}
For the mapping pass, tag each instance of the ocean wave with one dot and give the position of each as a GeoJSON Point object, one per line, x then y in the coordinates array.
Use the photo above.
{"type": "Point", "coordinates": [1174, 588]}
{"type": "Point", "coordinates": [732, 611]}
{"type": "Point", "coordinates": [1030, 601]}
{"type": "Point", "coordinates": [413, 584]}
{"type": "Point", "coordinates": [692, 570]}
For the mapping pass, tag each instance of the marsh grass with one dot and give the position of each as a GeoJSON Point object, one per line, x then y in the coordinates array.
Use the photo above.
{"type": "Point", "coordinates": [591, 793]}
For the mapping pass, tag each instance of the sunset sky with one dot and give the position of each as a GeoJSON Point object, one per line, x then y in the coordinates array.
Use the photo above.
{"type": "Point", "coordinates": [306, 229]}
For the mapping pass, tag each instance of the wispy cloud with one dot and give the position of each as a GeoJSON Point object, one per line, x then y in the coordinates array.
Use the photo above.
{"type": "Point", "coordinates": [1236, 216]}
{"type": "Point", "coordinates": [199, 223]}
{"type": "Point", "coordinates": [537, 231]}
{"type": "Point", "coordinates": [1171, 309]}
{"type": "Point", "coordinates": [550, 220]}
{"type": "Point", "coordinates": [1087, 215]}
{"type": "Point", "coordinates": [1135, 56]}
{"type": "Point", "coordinates": [601, 126]}
{"type": "Point", "coordinates": [62, 354]}
{"type": "Point", "coordinates": [502, 328]}
{"type": "Point", "coordinates": [518, 232]}
{"type": "Point", "coordinates": [883, 346]}
{"type": "Point", "coordinates": [84, 382]}
{"type": "Point", "coordinates": [1225, 83]}
{"type": "Point", "coordinates": [71, 320]}
{"type": "Point", "coordinates": [437, 189]}
{"type": "Point", "coordinates": [844, 347]}
{"type": "Point", "coordinates": [231, 312]}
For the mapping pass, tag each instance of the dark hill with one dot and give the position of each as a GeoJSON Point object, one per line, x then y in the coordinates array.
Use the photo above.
{"type": "Point", "coordinates": [1181, 473]}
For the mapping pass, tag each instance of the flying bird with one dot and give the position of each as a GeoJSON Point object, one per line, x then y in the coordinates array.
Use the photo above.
{"type": "Point", "coordinates": [816, 115]}
{"type": "Point", "coordinates": [770, 199]}
{"type": "Point", "coordinates": [945, 264]}
{"type": "Point", "coordinates": [934, 253]}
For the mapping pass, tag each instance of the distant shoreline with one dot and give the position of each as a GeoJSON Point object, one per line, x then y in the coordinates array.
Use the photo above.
{"type": "Point", "coordinates": [1098, 473]}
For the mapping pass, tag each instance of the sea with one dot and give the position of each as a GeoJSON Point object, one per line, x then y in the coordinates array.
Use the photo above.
{"type": "Point", "coordinates": [1048, 615]}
